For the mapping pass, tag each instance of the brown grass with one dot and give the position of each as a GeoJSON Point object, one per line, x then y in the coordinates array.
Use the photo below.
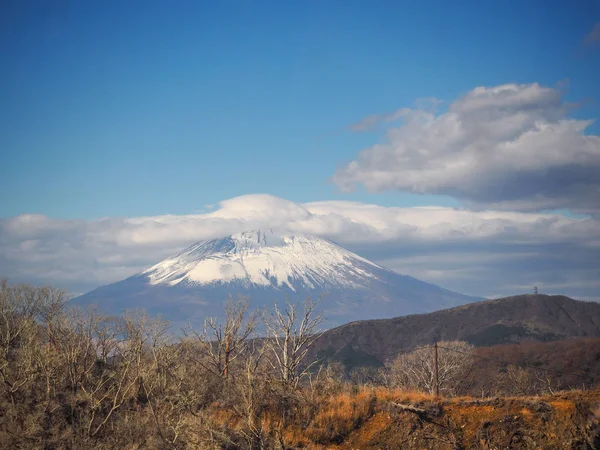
{"type": "Point", "coordinates": [364, 418]}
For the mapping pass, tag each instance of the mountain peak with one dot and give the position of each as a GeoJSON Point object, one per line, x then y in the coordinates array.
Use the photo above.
{"type": "Point", "coordinates": [264, 258]}
{"type": "Point", "coordinates": [259, 238]}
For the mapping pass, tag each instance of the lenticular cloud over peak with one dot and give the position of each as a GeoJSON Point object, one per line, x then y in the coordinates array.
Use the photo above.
{"type": "Point", "coordinates": [256, 206]}
{"type": "Point", "coordinates": [512, 146]}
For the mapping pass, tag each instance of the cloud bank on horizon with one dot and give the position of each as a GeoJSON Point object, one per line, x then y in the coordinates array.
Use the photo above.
{"type": "Point", "coordinates": [487, 253]}
{"type": "Point", "coordinates": [508, 147]}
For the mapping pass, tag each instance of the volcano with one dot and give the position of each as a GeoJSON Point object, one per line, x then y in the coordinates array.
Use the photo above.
{"type": "Point", "coordinates": [266, 267]}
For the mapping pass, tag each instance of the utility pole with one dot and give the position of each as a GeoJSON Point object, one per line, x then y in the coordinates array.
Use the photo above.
{"type": "Point", "coordinates": [437, 379]}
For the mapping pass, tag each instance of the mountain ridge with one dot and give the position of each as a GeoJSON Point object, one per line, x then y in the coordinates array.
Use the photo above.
{"type": "Point", "coordinates": [490, 322]}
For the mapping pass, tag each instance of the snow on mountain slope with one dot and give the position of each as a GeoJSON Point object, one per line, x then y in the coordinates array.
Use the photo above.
{"type": "Point", "coordinates": [264, 259]}
{"type": "Point", "coordinates": [267, 266]}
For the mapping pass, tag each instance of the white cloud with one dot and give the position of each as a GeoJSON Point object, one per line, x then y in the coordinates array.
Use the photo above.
{"type": "Point", "coordinates": [426, 105]}
{"type": "Point", "coordinates": [439, 244]}
{"type": "Point", "coordinates": [504, 147]}
{"type": "Point", "coordinates": [371, 121]}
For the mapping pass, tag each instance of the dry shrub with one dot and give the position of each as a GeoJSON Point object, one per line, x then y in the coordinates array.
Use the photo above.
{"type": "Point", "coordinates": [339, 415]}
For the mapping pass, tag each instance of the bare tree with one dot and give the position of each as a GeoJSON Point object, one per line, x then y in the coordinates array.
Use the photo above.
{"type": "Point", "coordinates": [74, 336]}
{"type": "Point", "coordinates": [123, 379]}
{"type": "Point", "coordinates": [516, 380]}
{"type": "Point", "coordinates": [251, 395]}
{"type": "Point", "coordinates": [416, 370]}
{"type": "Point", "coordinates": [547, 381]}
{"type": "Point", "coordinates": [224, 342]}
{"type": "Point", "coordinates": [162, 377]}
{"type": "Point", "coordinates": [20, 309]}
{"type": "Point", "coordinates": [290, 335]}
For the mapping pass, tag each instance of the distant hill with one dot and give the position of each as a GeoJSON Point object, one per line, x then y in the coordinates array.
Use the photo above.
{"type": "Point", "coordinates": [569, 363]}
{"type": "Point", "coordinates": [492, 322]}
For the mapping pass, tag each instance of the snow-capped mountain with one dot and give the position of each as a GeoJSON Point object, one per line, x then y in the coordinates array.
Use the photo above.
{"type": "Point", "coordinates": [267, 266]}
{"type": "Point", "coordinates": [259, 258]}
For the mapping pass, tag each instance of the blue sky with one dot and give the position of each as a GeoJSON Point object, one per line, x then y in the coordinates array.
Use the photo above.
{"type": "Point", "coordinates": [456, 142]}
{"type": "Point", "coordinates": [144, 108]}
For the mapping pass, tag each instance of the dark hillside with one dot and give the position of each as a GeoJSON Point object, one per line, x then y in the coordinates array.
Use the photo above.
{"type": "Point", "coordinates": [492, 322]}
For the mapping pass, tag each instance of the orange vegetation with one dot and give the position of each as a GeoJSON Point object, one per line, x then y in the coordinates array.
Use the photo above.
{"type": "Point", "coordinates": [369, 418]}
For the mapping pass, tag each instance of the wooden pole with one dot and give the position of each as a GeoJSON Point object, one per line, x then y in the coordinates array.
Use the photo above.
{"type": "Point", "coordinates": [437, 379]}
